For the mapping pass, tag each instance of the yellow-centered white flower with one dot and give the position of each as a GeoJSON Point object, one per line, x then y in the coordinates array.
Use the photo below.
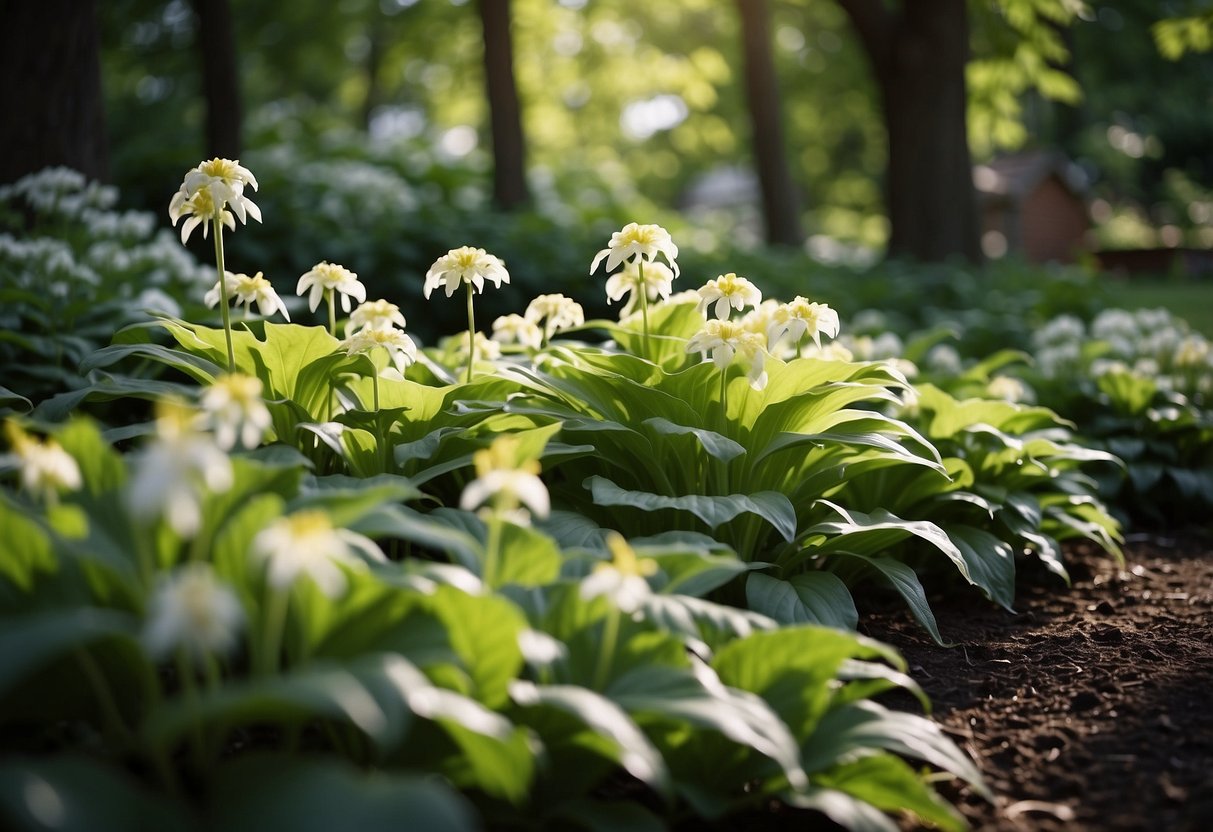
{"type": "Point", "coordinates": [46, 469]}
{"type": "Point", "coordinates": [305, 544]}
{"type": "Point", "coordinates": [727, 339]}
{"type": "Point", "coordinates": [514, 328]}
{"type": "Point", "coordinates": [726, 293]}
{"type": "Point", "coordinates": [622, 579]}
{"type": "Point", "coordinates": [457, 347]}
{"type": "Point", "coordinates": [464, 265]}
{"type": "Point", "coordinates": [800, 317]}
{"type": "Point", "coordinates": [658, 283]}
{"type": "Point", "coordinates": [249, 290]}
{"type": "Point", "coordinates": [191, 609]}
{"type": "Point", "coordinates": [327, 277]}
{"type": "Point", "coordinates": [504, 481]}
{"type": "Point", "coordinates": [208, 191]}
{"type": "Point", "coordinates": [233, 408]}
{"type": "Point", "coordinates": [400, 347]}
{"type": "Point", "coordinates": [375, 314]}
{"type": "Point", "coordinates": [635, 243]}
{"type": "Point", "coordinates": [555, 312]}
{"type": "Point", "coordinates": [174, 473]}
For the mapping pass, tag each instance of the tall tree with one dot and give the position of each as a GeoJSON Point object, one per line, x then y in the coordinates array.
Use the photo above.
{"type": "Point", "coordinates": [918, 50]}
{"type": "Point", "coordinates": [51, 94]}
{"type": "Point", "coordinates": [220, 78]}
{"type": "Point", "coordinates": [780, 210]}
{"type": "Point", "coordinates": [505, 115]}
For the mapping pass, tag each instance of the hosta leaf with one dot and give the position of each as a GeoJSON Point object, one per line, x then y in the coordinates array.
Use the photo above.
{"type": "Point", "coordinates": [346, 499]}
{"type": "Point", "coordinates": [771, 506]}
{"type": "Point", "coordinates": [845, 810]}
{"type": "Point", "coordinates": [29, 642]}
{"type": "Point", "coordinates": [25, 547]}
{"type": "Point", "coordinates": [253, 794]}
{"type": "Point", "coordinates": [847, 731]}
{"type": "Point", "coordinates": [77, 794]}
{"type": "Point", "coordinates": [808, 598]}
{"type": "Point", "coordinates": [702, 621]}
{"type": "Point", "coordinates": [718, 446]}
{"type": "Point", "coordinates": [991, 563]}
{"type": "Point", "coordinates": [484, 631]}
{"type": "Point", "coordinates": [14, 402]}
{"type": "Point", "coordinates": [632, 749]}
{"type": "Point", "coordinates": [887, 783]}
{"type": "Point", "coordinates": [905, 582]}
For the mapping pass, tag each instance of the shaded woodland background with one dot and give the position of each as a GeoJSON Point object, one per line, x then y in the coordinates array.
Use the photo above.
{"type": "Point", "coordinates": [860, 119]}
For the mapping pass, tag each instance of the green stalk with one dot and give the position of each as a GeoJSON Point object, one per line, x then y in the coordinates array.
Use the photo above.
{"type": "Point", "coordinates": [644, 307]}
{"type": "Point", "coordinates": [471, 333]}
{"type": "Point", "coordinates": [492, 548]}
{"type": "Point", "coordinates": [105, 696]}
{"type": "Point", "coordinates": [606, 654]}
{"type": "Point", "coordinates": [189, 690]}
{"type": "Point", "coordinates": [223, 300]}
{"type": "Point", "coordinates": [332, 298]}
{"type": "Point", "coordinates": [274, 623]}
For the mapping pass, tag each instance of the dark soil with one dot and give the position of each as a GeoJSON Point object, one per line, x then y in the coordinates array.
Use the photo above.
{"type": "Point", "coordinates": [1090, 708]}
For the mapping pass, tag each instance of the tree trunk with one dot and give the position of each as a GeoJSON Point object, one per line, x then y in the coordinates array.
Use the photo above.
{"type": "Point", "coordinates": [918, 51]}
{"type": "Point", "coordinates": [505, 116]}
{"type": "Point", "coordinates": [220, 78]}
{"type": "Point", "coordinates": [780, 210]}
{"type": "Point", "coordinates": [50, 98]}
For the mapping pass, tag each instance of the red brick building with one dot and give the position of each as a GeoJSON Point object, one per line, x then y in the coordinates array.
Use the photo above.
{"type": "Point", "coordinates": [1032, 206]}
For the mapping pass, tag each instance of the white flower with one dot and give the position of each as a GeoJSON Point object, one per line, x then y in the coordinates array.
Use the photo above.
{"type": "Point", "coordinates": [944, 359]}
{"type": "Point", "coordinates": [234, 409]}
{"type": "Point", "coordinates": [799, 318]}
{"type": "Point", "coordinates": [173, 474]}
{"type": "Point", "coordinates": [208, 191]}
{"type": "Point", "coordinates": [457, 346]}
{"type": "Point", "coordinates": [658, 283]}
{"type": "Point", "coordinates": [375, 314]}
{"type": "Point", "coordinates": [635, 243]}
{"type": "Point", "coordinates": [558, 311]}
{"type": "Point", "coordinates": [400, 347]}
{"type": "Point", "coordinates": [622, 580]}
{"type": "Point", "coordinates": [249, 290]}
{"type": "Point", "coordinates": [464, 265]}
{"type": "Point", "coordinates": [724, 340]}
{"type": "Point", "coordinates": [327, 277]}
{"type": "Point", "coordinates": [1006, 388]}
{"type": "Point", "coordinates": [501, 478]}
{"type": "Point", "coordinates": [512, 328]}
{"type": "Point", "coordinates": [46, 469]}
{"type": "Point", "coordinates": [191, 609]}
{"type": "Point", "coordinates": [728, 292]}
{"type": "Point", "coordinates": [306, 544]}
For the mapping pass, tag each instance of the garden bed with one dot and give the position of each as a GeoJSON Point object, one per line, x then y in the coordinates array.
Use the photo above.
{"type": "Point", "coordinates": [1089, 708]}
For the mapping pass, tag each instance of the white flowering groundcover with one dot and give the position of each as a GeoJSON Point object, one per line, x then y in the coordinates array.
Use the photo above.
{"type": "Point", "coordinates": [574, 574]}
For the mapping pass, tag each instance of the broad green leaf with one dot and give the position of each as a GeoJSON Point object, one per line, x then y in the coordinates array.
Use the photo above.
{"type": "Point", "coordinates": [718, 446]}
{"type": "Point", "coordinates": [991, 563]}
{"type": "Point", "coordinates": [808, 598]}
{"type": "Point", "coordinates": [715, 511]}
{"type": "Point", "coordinates": [484, 631]}
{"type": "Point", "coordinates": [78, 794]}
{"type": "Point", "coordinates": [846, 811]}
{"type": "Point", "coordinates": [905, 582]}
{"type": "Point", "coordinates": [25, 547]}
{"type": "Point", "coordinates": [101, 467]}
{"type": "Point", "coordinates": [702, 621]}
{"type": "Point", "coordinates": [347, 499]}
{"type": "Point", "coordinates": [887, 783]}
{"type": "Point", "coordinates": [253, 794]}
{"type": "Point", "coordinates": [29, 642]}
{"type": "Point", "coordinates": [631, 748]}
{"type": "Point", "coordinates": [14, 402]}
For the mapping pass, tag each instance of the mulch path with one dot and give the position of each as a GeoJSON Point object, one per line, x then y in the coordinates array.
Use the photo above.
{"type": "Point", "coordinates": [1090, 708]}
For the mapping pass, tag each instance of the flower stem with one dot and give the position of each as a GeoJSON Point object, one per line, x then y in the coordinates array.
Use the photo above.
{"type": "Point", "coordinates": [332, 298]}
{"type": "Point", "coordinates": [492, 549]}
{"type": "Point", "coordinates": [223, 299]}
{"type": "Point", "coordinates": [104, 695]}
{"type": "Point", "coordinates": [471, 333]}
{"type": "Point", "coordinates": [606, 654]}
{"type": "Point", "coordinates": [644, 305]}
{"type": "Point", "coordinates": [375, 387]}
{"type": "Point", "coordinates": [274, 623]}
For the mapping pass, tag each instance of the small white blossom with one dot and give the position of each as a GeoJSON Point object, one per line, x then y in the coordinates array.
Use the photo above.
{"type": "Point", "coordinates": [637, 243]}
{"type": "Point", "coordinates": [193, 610]}
{"type": "Point", "coordinates": [514, 328]}
{"type": "Point", "coordinates": [457, 346]}
{"type": "Point", "coordinates": [208, 191]}
{"type": "Point", "coordinates": [500, 478]}
{"type": "Point", "coordinates": [327, 277]}
{"type": "Point", "coordinates": [658, 283]}
{"type": "Point", "coordinates": [399, 346]}
{"type": "Point", "coordinates": [234, 409]}
{"type": "Point", "coordinates": [46, 469]}
{"type": "Point", "coordinates": [173, 474]}
{"type": "Point", "coordinates": [558, 311]}
{"type": "Point", "coordinates": [464, 265]}
{"type": "Point", "coordinates": [249, 290]}
{"type": "Point", "coordinates": [1006, 388]}
{"type": "Point", "coordinates": [799, 318]}
{"type": "Point", "coordinates": [726, 339]}
{"type": "Point", "coordinates": [375, 314]}
{"type": "Point", "coordinates": [622, 579]}
{"type": "Point", "coordinates": [305, 544]}
{"type": "Point", "coordinates": [726, 293]}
